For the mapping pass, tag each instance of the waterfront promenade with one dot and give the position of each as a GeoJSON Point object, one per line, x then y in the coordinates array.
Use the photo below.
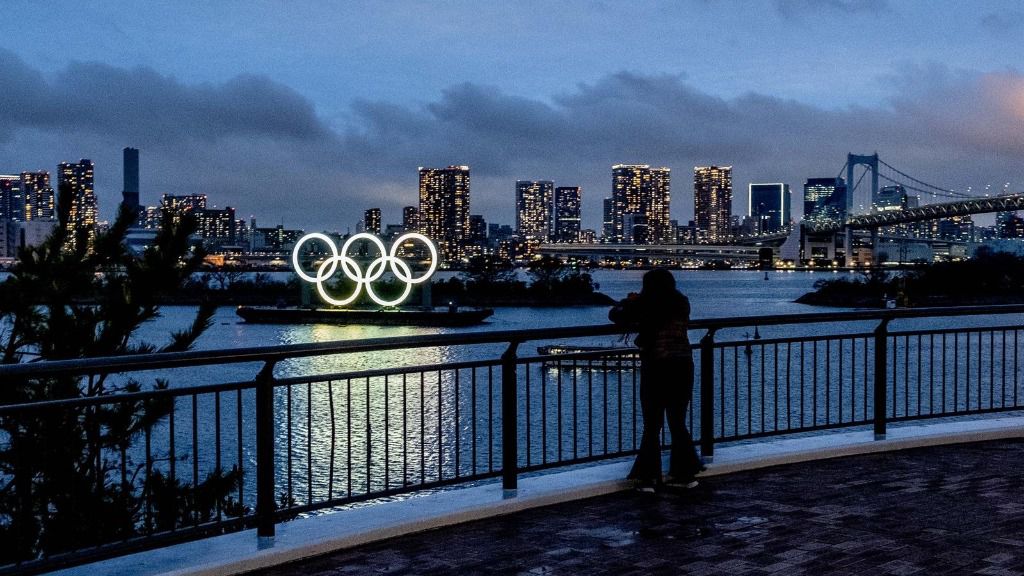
{"type": "Point", "coordinates": [948, 509]}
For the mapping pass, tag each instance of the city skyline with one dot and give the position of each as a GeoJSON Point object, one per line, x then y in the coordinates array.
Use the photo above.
{"type": "Point", "coordinates": [311, 126]}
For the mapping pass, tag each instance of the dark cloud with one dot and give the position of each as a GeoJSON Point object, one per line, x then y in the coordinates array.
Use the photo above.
{"type": "Point", "coordinates": [790, 8]}
{"type": "Point", "coordinates": [255, 144]}
{"type": "Point", "coordinates": [1005, 22]}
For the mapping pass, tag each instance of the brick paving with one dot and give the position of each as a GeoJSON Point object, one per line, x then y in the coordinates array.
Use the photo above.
{"type": "Point", "coordinates": [942, 510]}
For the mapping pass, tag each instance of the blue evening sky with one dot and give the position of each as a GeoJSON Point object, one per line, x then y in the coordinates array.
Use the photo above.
{"type": "Point", "coordinates": [307, 113]}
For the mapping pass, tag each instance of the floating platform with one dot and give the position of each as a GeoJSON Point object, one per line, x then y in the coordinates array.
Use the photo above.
{"type": "Point", "coordinates": [383, 317]}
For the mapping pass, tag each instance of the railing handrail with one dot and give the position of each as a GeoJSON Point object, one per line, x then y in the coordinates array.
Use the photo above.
{"type": "Point", "coordinates": [162, 360]}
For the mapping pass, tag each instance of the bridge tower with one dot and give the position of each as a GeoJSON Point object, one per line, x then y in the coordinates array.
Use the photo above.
{"type": "Point", "coordinates": [872, 163]}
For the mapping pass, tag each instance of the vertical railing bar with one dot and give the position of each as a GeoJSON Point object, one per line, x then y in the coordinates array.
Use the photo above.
{"type": "Point", "coordinates": [980, 376]}
{"type": "Point", "coordinates": [604, 418]}
{"type": "Point", "coordinates": [369, 440]}
{"type": "Point", "coordinates": [334, 440]}
{"type": "Point", "coordinates": [853, 379]}
{"type": "Point", "coordinates": [814, 383]}
{"type": "Point", "coordinates": [721, 388]}
{"type": "Point", "coordinates": [1016, 367]}
{"type": "Point", "coordinates": [803, 371]}
{"type": "Point", "coordinates": [458, 425]}
{"type": "Point", "coordinates": [423, 428]}
{"type": "Point", "coordinates": [750, 392]}
{"type": "Point", "coordinates": [828, 381]}
{"type": "Point", "coordinates": [789, 392]}
{"type": "Point", "coordinates": [148, 431]}
{"type": "Point", "coordinates": [775, 380]}
{"type": "Point", "coordinates": [490, 418]}
{"type": "Point", "coordinates": [528, 420]}
{"type": "Point", "coordinates": [387, 432]}
{"type": "Point", "coordinates": [735, 389]}
{"type": "Point", "coordinates": [309, 442]}
{"type": "Point", "coordinates": [265, 491]}
{"type": "Point", "coordinates": [348, 435]}
{"type": "Point", "coordinates": [906, 375]}
{"type": "Point", "coordinates": [509, 415]}
{"type": "Point", "coordinates": [405, 429]}
{"type": "Point", "coordinates": [919, 353]}
{"type": "Point", "coordinates": [440, 413]}
{"type": "Point", "coordinates": [991, 368]}
{"type": "Point", "coordinates": [559, 408]}
{"type": "Point", "coordinates": [473, 419]}
{"type": "Point", "coordinates": [544, 415]}
{"type": "Point", "coordinates": [956, 371]}
{"type": "Point", "coordinates": [288, 440]}
{"type": "Point", "coordinates": [881, 354]}
{"type": "Point", "coordinates": [839, 397]}
{"type": "Point", "coordinates": [895, 374]}
{"type": "Point", "coordinates": [761, 352]}
{"type": "Point", "coordinates": [241, 459]}
{"type": "Point", "coordinates": [1002, 364]}
{"type": "Point", "coordinates": [216, 445]}
{"type": "Point", "coordinates": [707, 393]}
{"type": "Point", "coordinates": [931, 373]}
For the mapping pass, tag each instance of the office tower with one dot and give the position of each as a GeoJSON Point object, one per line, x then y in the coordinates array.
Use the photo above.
{"type": "Point", "coordinates": [130, 195]}
{"type": "Point", "coordinates": [371, 221]}
{"type": "Point", "coordinates": [768, 207]}
{"type": "Point", "coordinates": [76, 180]}
{"type": "Point", "coordinates": [477, 230]}
{"type": "Point", "coordinates": [39, 201]}
{"type": "Point", "coordinates": [444, 210]}
{"type": "Point", "coordinates": [643, 193]}
{"type": "Point", "coordinates": [217, 226]}
{"type": "Point", "coordinates": [825, 200]}
{"type": "Point", "coordinates": [12, 198]}
{"type": "Point", "coordinates": [534, 199]}
{"type": "Point", "coordinates": [410, 219]}
{"type": "Point", "coordinates": [712, 202]}
{"type": "Point", "coordinates": [178, 206]}
{"type": "Point", "coordinates": [567, 214]}
{"type": "Point", "coordinates": [607, 220]}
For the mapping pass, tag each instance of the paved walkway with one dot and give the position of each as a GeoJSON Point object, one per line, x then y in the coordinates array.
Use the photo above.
{"type": "Point", "coordinates": [955, 509]}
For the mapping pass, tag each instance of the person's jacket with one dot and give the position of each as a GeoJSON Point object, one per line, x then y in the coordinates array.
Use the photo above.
{"type": "Point", "coordinates": [661, 323]}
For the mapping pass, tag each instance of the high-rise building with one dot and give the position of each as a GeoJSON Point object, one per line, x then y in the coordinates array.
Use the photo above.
{"type": "Point", "coordinates": [12, 198]}
{"type": "Point", "coordinates": [76, 180]}
{"type": "Point", "coordinates": [712, 202]}
{"type": "Point", "coordinates": [608, 220]}
{"type": "Point", "coordinates": [39, 201]}
{"type": "Point", "coordinates": [534, 200]}
{"type": "Point", "coordinates": [216, 227]}
{"type": "Point", "coordinates": [768, 207]}
{"type": "Point", "coordinates": [825, 200]}
{"type": "Point", "coordinates": [444, 210]}
{"type": "Point", "coordinates": [567, 214]}
{"type": "Point", "coordinates": [371, 221]}
{"type": "Point", "coordinates": [477, 230]}
{"type": "Point", "coordinates": [410, 219]}
{"type": "Point", "coordinates": [130, 195]}
{"type": "Point", "coordinates": [178, 206]}
{"type": "Point", "coordinates": [644, 193]}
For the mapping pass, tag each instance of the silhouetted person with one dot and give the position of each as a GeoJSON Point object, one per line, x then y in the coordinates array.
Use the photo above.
{"type": "Point", "coordinates": [661, 316]}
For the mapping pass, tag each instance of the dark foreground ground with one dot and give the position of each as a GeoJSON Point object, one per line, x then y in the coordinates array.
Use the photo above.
{"type": "Point", "coordinates": [944, 510]}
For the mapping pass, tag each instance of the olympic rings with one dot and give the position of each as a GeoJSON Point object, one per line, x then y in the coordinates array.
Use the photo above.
{"type": "Point", "coordinates": [351, 269]}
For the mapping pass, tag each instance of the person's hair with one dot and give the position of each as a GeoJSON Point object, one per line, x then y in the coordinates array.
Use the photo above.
{"type": "Point", "coordinates": [658, 283]}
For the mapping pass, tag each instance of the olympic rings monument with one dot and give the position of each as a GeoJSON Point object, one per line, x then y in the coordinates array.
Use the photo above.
{"type": "Point", "coordinates": [340, 261]}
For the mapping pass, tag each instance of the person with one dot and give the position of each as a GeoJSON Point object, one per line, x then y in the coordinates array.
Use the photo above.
{"type": "Point", "coordinates": [661, 316]}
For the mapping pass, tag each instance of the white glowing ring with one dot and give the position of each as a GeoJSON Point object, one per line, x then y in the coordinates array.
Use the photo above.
{"type": "Point", "coordinates": [351, 269]}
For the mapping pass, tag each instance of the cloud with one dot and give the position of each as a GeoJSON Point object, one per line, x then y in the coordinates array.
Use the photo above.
{"type": "Point", "coordinates": [791, 8]}
{"type": "Point", "coordinates": [1005, 22]}
{"type": "Point", "coordinates": [257, 145]}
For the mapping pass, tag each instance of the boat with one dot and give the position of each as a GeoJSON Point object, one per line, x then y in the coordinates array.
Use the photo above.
{"type": "Point", "coordinates": [569, 357]}
{"type": "Point", "coordinates": [380, 317]}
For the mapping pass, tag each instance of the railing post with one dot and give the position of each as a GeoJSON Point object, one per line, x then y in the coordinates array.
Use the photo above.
{"type": "Point", "coordinates": [707, 396]}
{"type": "Point", "coordinates": [881, 390]}
{"type": "Point", "coordinates": [509, 420]}
{"type": "Point", "coordinates": [265, 455]}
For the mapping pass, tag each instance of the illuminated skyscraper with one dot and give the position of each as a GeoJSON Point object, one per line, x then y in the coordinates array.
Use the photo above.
{"type": "Point", "coordinates": [825, 200]}
{"type": "Point", "coordinates": [712, 202]}
{"type": "Point", "coordinates": [410, 219]}
{"type": "Point", "coordinates": [130, 195]}
{"type": "Point", "coordinates": [534, 200]}
{"type": "Point", "coordinates": [39, 201]}
{"type": "Point", "coordinates": [12, 198]}
{"type": "Point", "coordinates": [371, 221]}
{"type": "Point", "coordinates": [768, 206]}
{"type": "Point", "coordinates": [444, 210]}
{"type": "Point", "coordinates": [567, 214]}
{"type": "Point", "coordinates": [640, 197]}
{"type": "Point", "coordinates": [179, 206]}
{"type": "Point", "coordinates": [76, 180]}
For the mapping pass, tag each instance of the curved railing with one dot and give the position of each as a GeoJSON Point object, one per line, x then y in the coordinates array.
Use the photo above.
{"type": "Point", "coordinates": [309, 438]}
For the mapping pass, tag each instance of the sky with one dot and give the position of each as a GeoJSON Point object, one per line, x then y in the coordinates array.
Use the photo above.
{"type": "Point", "coordinates": [306, 113]}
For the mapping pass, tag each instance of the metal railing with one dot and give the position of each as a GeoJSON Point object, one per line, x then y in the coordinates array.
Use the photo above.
{"type": "Point", "coordinates": [256, 452]}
